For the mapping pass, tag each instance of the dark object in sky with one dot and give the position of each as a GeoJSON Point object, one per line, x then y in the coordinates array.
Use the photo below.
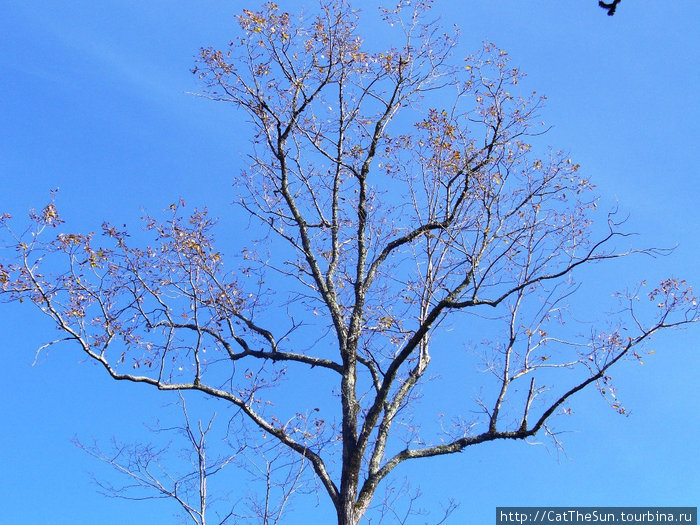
{"type": "Point", "coordinates": [611, 7]}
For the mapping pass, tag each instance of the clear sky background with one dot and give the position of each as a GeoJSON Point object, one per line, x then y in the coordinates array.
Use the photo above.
{"type": "Point", "coordinates": [93, 99]}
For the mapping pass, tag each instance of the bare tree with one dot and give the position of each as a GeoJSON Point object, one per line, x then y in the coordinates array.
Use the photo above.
{"type": "Point", "coordinates": [150, 472]}
{"type": "Point", "coordinates": [180, 471]}
{"type": "Point", "coordinates": [398, 195]}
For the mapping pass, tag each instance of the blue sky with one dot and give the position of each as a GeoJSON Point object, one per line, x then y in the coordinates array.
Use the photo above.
{"type": "Point", "coordinates": [94, 100]}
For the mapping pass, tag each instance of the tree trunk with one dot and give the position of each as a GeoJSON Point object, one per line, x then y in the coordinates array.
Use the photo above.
{"type": "Point", "coordinates": [346, 508]}
{"type": "Point", "coordinates": [346, 513]}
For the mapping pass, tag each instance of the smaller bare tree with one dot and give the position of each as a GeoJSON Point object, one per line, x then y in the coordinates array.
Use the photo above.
{"type": "Point", "coordinates": [150, 472]}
